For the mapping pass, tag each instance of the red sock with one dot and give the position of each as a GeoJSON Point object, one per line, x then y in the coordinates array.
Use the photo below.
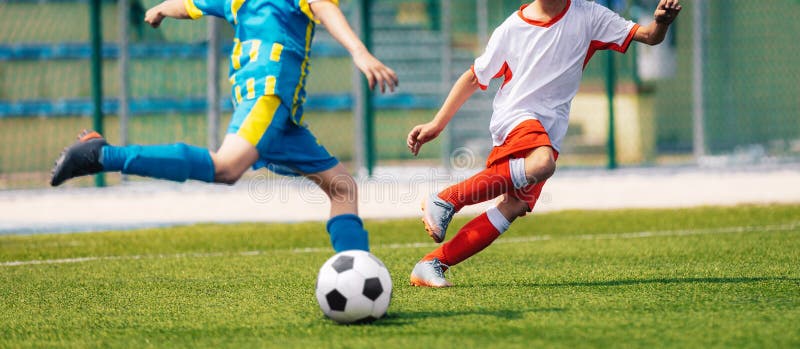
{"type": "Point", "coordinates": [471, 239]}
{"type": "Point", "coordinates": [485, 185]}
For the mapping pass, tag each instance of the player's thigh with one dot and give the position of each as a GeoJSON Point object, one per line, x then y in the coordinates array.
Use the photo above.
{"type": "Point", "coordinates": [293, 150]}
{"type": "Point", "coordinates": [247, 133]}
{"type": "Point", "coordinates": [540, 164]}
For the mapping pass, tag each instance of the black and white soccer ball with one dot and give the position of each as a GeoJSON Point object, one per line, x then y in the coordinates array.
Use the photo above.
{"type": "Point", "coordinates": [354, 287]}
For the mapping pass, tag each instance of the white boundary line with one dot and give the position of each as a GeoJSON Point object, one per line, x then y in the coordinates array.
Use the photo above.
{"type": "Point", "coordinates": [514, 240]}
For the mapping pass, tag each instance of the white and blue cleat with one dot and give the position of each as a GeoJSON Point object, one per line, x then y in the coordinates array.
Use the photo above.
{"type": "Point", "coordinates": [436, 215]}
{"type": "Point", "coordinates": [429, 274]}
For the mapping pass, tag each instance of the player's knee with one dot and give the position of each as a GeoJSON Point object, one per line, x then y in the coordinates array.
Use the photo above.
{"type": "Point", "coordinates": [513, 205]}
{"type": "Point", "coordinates": [228, 178]}
{"type": "Point", "coordinates": [539, 167]}
{"type": "Point", "coordinates": [226, 173]}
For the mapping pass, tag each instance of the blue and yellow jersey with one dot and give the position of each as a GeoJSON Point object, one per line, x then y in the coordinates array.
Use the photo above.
{"type": "Point", "coordinates": [272, 47]}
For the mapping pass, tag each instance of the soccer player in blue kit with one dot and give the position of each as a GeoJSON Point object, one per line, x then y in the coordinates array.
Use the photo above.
{"type": "Point", "coordinates": [269, 66]}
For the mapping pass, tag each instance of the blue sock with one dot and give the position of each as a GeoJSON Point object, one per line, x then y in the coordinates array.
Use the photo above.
{"type": "Point", "coordinates": [176, 162]}
{"type": "Point", "coordinates": [347, 233]}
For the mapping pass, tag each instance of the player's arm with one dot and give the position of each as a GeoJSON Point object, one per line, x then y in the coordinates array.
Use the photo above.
{"type": "Point", "coordinates": [168, 8]}
{"type": "Point", "coordinates": [333, 20]}
{"type": "Point", "coordinates": [464, 87]}
{"type": "Point", "coordinates": [654, 33]}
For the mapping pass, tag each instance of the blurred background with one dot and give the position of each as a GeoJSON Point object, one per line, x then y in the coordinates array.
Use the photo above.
{"type": "Point", "coordinates": [721, 91]}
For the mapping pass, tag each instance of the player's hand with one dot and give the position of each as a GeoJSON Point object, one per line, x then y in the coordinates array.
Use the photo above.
{"type": "Point", "coordinates": [422, 134]}
{"type": "Point", "coordinates": [666, 11]}
{"type": "Point", "coordinates": [375, 71]}
{"type": "Point", "coordinates": [154, 17]}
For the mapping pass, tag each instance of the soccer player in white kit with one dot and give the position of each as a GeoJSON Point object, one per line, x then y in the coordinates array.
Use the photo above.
{"type": "Point", "coordinates": [540, 52]}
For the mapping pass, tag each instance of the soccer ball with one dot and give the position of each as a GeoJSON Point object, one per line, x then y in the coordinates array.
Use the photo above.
{"type": "Point", "coordinates": [354, 287]}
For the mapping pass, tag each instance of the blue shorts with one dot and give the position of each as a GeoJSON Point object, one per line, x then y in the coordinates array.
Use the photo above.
{"type": "Point", "coordinates": [283, 146]}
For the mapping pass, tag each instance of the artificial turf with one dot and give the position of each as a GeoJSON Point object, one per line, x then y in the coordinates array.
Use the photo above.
{"type": "Point", "coordinates": [701, 277]}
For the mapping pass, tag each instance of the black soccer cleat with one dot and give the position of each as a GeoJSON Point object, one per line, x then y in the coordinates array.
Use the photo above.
{"type": "Point", "coordinates": [79, 159]}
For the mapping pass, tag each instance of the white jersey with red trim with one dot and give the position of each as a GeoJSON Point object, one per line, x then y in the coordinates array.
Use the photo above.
{"type": "Point", "coordinates": [542, 64]}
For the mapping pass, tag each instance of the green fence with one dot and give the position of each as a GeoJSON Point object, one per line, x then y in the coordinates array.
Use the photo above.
{"type": "Point", "coordinates": [750, 64]}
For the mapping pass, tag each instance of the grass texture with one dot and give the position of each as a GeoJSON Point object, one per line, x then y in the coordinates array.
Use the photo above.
{"type": "Point", "coordinates": [704, 277]}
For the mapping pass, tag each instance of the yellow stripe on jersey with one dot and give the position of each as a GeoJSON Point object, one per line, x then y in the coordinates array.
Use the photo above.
{"type": "Point", "coordinates": [251, 88]}
{"type": "Point", "coordinates": [275, 55]}
{"type": "Point", "coordinates": [237, 54]}
{"type": "Point", "coordinates": [192, 10]}
{"type": "Point", "coordinates": [235, 6]}
{"type": "Point", "coordinates": [238, 91]}
{"type": "Point", "coordinates": [303, 68]}
{"type": "Point", "coordinates": [254, 46]}
{"type": "Point", "coordinates": [257, 122]}
{"type": "Point", "coordinates": [306, 8]}
{"type": "Point", "coordinates": [269, 88]}
{"type": "Point", "coordinates": [232, 79]}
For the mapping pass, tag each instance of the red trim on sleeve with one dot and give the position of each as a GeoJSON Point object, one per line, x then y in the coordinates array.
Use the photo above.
{"type": "Point", "coordinates": [599, 45]}
{"type": "Point", "coordinates": [628, 39]}
{"type": "Point", "coordinates": [547, 24]}
{"type": "Point", "coordinates": [505, 73]}
{"type": "Point", "coordinates": [483, 87]}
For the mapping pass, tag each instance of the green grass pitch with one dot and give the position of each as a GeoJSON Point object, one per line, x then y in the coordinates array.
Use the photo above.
{"type": "Point", "coordinates": [703, 277]}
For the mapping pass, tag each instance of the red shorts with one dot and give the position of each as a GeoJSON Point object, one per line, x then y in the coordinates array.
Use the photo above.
{"type": "Point", "coordinates": [523, 139]}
